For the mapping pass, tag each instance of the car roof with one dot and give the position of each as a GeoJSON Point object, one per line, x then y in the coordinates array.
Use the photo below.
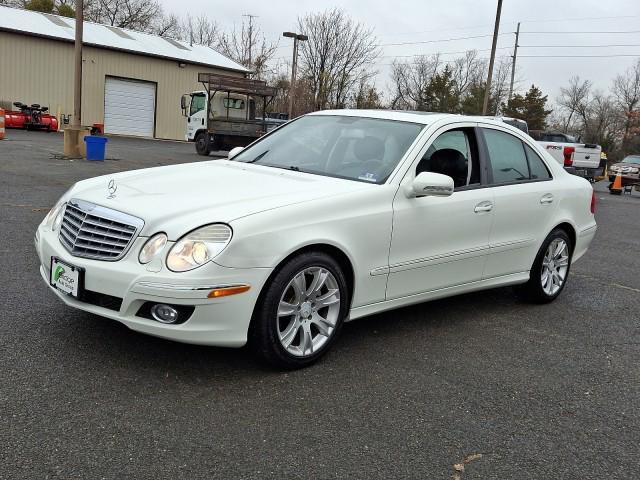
{"type": "Point", "coordinates": [424, 118]}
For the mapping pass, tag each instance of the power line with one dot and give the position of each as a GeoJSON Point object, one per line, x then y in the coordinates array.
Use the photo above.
{"type": "Point", "coordinates": [580, 46]}
{"type": "Point", "coordinates": [442, 53]}
{"type": "Point", "coordinates": [578, 19]}
{"type": "Point", "coordinates": [438, 41]}
{"type": "Point", "coordinates": [583, 32]}
{"type": "Point", "coordinates": [581, 56]}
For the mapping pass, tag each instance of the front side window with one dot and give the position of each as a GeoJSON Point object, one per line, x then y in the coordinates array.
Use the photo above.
{"type": "Point", "coordinates": [508, 159]}
{"type": "Point", "coordinates": [453, 153]}
{"type": "Point", "coordinates": [355, 148]}
{"type": "Point", "coordinates": [197, 103]}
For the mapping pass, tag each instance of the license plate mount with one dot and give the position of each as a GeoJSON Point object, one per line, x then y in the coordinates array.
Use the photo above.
{"type": "Point", "coordinates": [66, 278]}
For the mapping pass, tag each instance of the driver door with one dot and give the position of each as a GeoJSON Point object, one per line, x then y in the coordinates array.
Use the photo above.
{"type": "Point", "coordinates": [440, 242]}
{"type": "Point", "coordinates": [196, 120]}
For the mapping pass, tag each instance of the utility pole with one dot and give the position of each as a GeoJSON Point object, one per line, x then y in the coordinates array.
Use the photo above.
{"type": "Point", "coordinates": [294, 66]}
{"type": "Point", "coordinates": [487, 90]}
{"type": "Point", "coordinates": [250, 42]}
{"type": "Point", "coordinates": [513, 65]}
{"type": "Point", "coordinates": [72, 135]}
{"type": "Point", "coordinates": [77, 79]}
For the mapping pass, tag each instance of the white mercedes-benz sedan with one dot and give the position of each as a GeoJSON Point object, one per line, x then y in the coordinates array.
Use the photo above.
{"type": "Point", "coordinates": [334, 216]}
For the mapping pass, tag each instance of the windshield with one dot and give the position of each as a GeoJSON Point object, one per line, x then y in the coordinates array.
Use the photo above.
{"type": "Point", "coordinates": [632, 159]}
{"type": "Point", "coordinates": [355, 148]}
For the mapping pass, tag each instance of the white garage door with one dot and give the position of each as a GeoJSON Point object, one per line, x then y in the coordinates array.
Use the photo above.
{"type": "Point", "coordinates": [129, 107]}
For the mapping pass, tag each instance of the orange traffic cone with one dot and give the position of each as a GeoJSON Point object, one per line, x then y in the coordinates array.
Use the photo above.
{"type": "Point", "coordinates": [616, 187]}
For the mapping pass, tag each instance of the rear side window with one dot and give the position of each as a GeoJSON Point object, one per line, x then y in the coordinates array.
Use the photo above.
{"type": "Point", "coordinates": [537, 168]}
{"type": "Point", "coordinates": [508, 160]}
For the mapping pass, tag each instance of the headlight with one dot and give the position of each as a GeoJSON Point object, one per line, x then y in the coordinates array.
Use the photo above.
{"type": "Point", "coordinates": [633, 170]}
{"type": "Point", "coordinates": [54, 217]}
{"type": "Point", "coordinates": [152, 247]}
{"type": "Point", "coordinates": [198, 247]}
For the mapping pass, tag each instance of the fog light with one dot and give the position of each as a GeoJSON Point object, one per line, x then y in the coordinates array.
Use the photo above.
{"type": "Point", "coordinates": [164, 313]}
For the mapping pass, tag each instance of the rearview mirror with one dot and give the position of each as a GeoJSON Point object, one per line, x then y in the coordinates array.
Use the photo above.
{"type": "Point", "coordinates": [234, 151]}
{"type": "Point", "coordinates": [430, 184]}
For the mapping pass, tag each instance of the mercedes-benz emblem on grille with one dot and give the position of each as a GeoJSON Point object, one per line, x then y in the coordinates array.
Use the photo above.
{"type": "Point", "coordinates": [111, 188]}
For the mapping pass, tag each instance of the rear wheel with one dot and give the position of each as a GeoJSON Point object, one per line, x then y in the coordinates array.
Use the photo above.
{"type": "Point", "coordinates": [202, 144]}
{"type": "Point", "coordinates": [301, 311]}
{"type": "Point", "coordinates": [550, 269]}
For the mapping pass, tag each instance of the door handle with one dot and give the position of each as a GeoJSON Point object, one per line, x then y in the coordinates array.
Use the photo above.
{"type": "Point", "coordinates": [482, 207]}
{"type": "Point", "coordinates": [546, 199]}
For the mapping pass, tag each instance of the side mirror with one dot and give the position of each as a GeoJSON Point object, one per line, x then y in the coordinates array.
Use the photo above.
{"type": "Point", "coordinates": [234, 151]}
{"type": "Point", "coordinates": [430, 184]}
{"type": "Point", "coordinates": [184, 104]}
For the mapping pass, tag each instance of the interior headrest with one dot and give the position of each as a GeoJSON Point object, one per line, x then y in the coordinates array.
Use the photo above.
{"type": "Point", "coordinates": [449, 160]}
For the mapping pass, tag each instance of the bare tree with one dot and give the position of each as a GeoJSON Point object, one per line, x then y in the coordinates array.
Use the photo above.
{"type": "Point", "coordinates": [626, 90]}
{"type": "Point", "coordinates": [467, 71]}
{"type": "Point", "coordinates": [500, 84]}
{"type": "Point", "coordinates": [336, 57]}
{"type": "Point", "coordinates": [248, 47]}
{"type": "Point", "coordinates": [410, 81]}
{"type": "Point", "coordinates": [200, 30]}
{"type": "Point", "coordinates": [133, 14]}
{"type": "Point", "coordinates": [574, 100]}
{"type": "Point", "coordinates": [167, 26]}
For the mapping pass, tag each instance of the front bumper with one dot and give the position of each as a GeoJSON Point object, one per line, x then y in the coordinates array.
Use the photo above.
{"type": "Point", "coordinates": [221, 321]}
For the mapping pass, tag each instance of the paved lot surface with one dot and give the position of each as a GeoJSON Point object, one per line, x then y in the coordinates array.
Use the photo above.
{"type": "Point", "coordinates": [539, 391]}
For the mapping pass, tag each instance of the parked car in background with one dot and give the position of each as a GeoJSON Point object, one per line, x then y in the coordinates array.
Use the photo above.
{"type": "Point", "coordinates": [332, 217]}
{"type": "Point", "coordinates": [580, 159]}
{"type": "Point", "coordinates": [629, 170]}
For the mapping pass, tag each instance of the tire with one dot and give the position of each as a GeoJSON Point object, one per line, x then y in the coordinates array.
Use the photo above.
{"type": "Point", "coordinates": [202, 144]}
{"type": "Point", "coordinates": [286, 328]}
{"type": "Point", "coordinates": [536, 290]}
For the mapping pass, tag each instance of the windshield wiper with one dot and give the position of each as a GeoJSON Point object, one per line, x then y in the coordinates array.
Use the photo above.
{"type": "Point", "coordinates": [258, 157]}
{"type": "Point", "coordinates": [284, 167]}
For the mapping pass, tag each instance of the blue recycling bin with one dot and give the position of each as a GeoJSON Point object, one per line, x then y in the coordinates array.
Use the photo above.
{"type": "Point", "coordinates": [96, 147]}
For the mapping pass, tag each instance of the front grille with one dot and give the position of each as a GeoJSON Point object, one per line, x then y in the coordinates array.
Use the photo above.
{"type": "Point", "coordinates": [92, 231]}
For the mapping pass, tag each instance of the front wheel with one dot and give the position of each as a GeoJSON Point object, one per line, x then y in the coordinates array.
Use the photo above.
{"type": "Point", "coordinates": [202, 144]}
{"type": "Point", "coordinates": [550, 269]}
{"type": "Point", "coordinates": [301, 311]}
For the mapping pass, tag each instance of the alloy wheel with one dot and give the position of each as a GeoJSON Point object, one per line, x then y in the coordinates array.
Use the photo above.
{"type": "Point", "coordinates": [308, 311]}
{"type": "Point", "coordinates": [555, 266]}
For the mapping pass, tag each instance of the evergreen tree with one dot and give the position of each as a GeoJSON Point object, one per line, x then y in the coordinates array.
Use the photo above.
{"type": "Point", "coordinates": [529, 107]}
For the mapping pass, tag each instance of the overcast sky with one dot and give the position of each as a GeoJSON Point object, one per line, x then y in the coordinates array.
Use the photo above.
{"type": "Point", "coordinates": [424, 20]}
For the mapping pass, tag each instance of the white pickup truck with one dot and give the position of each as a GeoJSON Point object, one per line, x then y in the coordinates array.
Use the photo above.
{"type": "Point", "coordinates": [581, 159]}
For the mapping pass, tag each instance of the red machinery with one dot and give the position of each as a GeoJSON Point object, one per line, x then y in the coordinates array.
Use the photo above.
{"type": "Point", "coordinates": [31, 117]}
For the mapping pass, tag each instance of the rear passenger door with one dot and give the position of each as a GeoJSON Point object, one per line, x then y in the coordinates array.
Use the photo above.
{"type": "Point", "coordinates": [524, 202]}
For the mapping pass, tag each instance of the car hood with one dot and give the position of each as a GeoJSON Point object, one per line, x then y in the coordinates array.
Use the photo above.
{"type": "Point", "coordinates": [178, 198]}
{"type": "Point", "coordinates": [624, 164]}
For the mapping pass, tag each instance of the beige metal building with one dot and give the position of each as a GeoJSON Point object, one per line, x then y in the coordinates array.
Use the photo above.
{"type": "Point", "coordinates": [132, 81]}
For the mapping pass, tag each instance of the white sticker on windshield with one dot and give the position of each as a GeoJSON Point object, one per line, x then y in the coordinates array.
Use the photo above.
{"type": "Point", "coordinates": [368, 177]}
